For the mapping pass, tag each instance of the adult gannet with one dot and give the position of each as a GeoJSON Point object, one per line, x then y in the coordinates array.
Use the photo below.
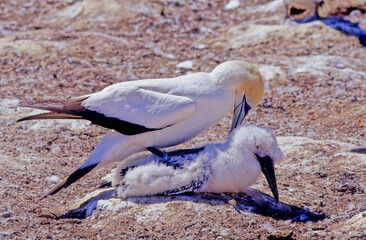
{"type": "Point", "coordinates": [157, 113]}
{"type": "Point", "coordinates": [231, 166]}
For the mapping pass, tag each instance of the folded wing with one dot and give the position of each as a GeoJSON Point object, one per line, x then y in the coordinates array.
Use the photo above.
{"type": "Point", "coordinates": [128, 112]}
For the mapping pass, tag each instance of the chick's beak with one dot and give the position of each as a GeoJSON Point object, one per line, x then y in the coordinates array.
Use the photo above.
{"type": "Point", "coordinates": [268, 170]}
{"type": "Point", "coordinates": [240, 111]}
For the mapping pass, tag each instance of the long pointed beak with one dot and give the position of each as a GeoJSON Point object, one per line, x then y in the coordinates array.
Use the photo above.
{"type": "Point", "coordinates": [240, 111]}
{"type": "Point", "coordinates": [268, 171]}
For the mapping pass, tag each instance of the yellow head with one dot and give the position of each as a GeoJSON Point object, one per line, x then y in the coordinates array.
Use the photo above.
{"type": "Point", "coordinates": [246, 84]}
{"type": "Point", "coordinates": [243, 78]}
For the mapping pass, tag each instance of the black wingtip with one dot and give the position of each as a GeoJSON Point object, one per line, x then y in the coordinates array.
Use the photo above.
{"type": "Point", "coordinates": [76, 175]}
{"type": "Point", "coordinates": [20, 120]}
{"type": "Point", "coordinates": [24, 119]}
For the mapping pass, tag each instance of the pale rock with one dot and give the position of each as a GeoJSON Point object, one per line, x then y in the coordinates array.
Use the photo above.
{"type": "Point", "coordinates": [232, 4]}
{"type": "Point", "coordinates": [53, 179]}
{"type": "Point", "coordinates": [185, 65]}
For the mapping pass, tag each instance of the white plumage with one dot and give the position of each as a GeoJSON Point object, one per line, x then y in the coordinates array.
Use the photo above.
{"type": "Point", "coordinates": [157, 112]}
{"type": "Point", "coordinates": [231, 166]}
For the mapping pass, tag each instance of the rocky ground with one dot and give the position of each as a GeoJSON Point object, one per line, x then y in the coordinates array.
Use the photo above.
{"type": "Point", "coordinates": [314, 102]}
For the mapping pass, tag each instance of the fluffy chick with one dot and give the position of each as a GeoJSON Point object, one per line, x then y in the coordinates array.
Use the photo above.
{"type": "Point", "coordinates": [231, 166]}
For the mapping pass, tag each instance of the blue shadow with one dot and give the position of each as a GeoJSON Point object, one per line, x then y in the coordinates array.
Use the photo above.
{"type": "Point", "coordinates": [344, 26]}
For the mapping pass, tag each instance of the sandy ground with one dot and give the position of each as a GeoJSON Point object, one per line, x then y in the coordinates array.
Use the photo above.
{"type": "Point", "coordinates": [314, 102]}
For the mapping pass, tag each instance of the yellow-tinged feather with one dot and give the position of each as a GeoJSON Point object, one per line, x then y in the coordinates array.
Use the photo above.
{"type": "Point", "coordinates": [253, 87]}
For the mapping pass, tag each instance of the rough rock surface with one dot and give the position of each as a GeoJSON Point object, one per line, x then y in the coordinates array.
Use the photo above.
{"type": "Point", "coordinates": [314, 102]}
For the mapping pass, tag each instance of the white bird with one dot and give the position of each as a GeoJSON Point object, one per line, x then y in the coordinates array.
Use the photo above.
{"type": "Point", "coordinates": [231, 166]}
{"type": "Point", "coordinates": [157, 113]}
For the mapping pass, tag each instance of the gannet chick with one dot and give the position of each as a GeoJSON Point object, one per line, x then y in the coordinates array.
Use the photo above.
{"type": "Point", "coordinates": [157, 113]}
{"type": "Point", "coordinates": [231, 166]}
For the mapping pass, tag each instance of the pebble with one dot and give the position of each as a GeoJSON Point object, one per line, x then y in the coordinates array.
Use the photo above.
{"type": "Point", "coordinates": [232, 4]}
{"type": "Point", "coordinates": [185, 65]}
{"type": "Point", "coordinates": [53, 179]}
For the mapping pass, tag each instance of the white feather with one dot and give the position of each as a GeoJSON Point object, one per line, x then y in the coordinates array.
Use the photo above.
{"type": "Point", "coordinates": [153, 103]}
{"type": "Point", "coordinates": [225, 167]}
{"type": "Point", "coordinates": [179, 108]}
{"type": "Point", "coordinates": [192, 103]}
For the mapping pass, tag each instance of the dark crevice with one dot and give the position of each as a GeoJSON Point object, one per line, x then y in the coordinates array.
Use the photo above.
{"type": "Point", "coordinates": [296, 11]}
{"type": "Point", "coordinates": [86, 209]}
{"type": "Point", "coordinates": [348, 11]}
{"type": "Point", "coordinates": [343, 25]}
